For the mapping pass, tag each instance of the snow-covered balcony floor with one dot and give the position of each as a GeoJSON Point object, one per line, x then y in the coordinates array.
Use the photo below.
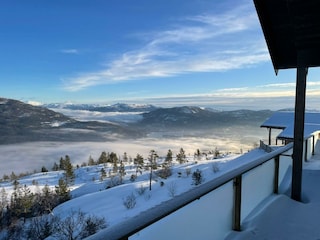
{"type": "Point", "coordinates": [280, 217]}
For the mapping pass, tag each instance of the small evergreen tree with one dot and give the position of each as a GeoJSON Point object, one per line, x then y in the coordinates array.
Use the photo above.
{"type": "Point", "coordinates": [122, 171]}
{"type": "Point", "coordinates": [61, 164]}
{"type": "Point", "coordinates": [103, 174]}
{"type": "Point", "coordinates": [114, 160]}
{"type": "Point", "coordinates": [26, 201]}
{"type": "Point", "coordinates": [197, 154]}
{"type": "Point", "coordinates": [153, 164]}
{"type": "Point", "coordinates": [13, 176]}
{"type": "Point", "coordinates": [153, 159]}
{"type": "Point", "coordinates": [138, 162]}
{"type": "Point", "coordinates": [44, 169]}
{"type": "Point", "coordinates": [91, 161]}
{"type": "Point", "coordinates": [125, 157]}
{"type": "Point", "coordinates": [103, 158]}
{"type": "Point", "coordinates": [168, 159]}
{"type": "Point", "coordinates": [216, 153]}
{"type": "Point", "coordinates": [197, 177]}
{"type": "Point", "coordinates": [181, 156]}
{"type": "Point", "coordinates": [3, 206]}
{"type": "Point", "coordinates": [69, 173]}
{"type": "Point", "coordinates": [55, 167]}
{"type": "Point", "coordinates": [62, 191]}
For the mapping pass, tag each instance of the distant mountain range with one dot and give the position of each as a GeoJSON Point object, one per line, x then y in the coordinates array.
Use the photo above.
{"type": "Point", "coordinates": [23, 122]}
{"type": "Point", "coordinates": [118, 107]}
{"type": "Point", "coordinates": [201, 117]}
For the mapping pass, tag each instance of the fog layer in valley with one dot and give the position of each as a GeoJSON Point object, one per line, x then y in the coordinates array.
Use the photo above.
{"type": "Point", "coordinates": [31, 156]}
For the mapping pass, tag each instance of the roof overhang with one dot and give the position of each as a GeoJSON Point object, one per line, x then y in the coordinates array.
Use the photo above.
{"type": "Point", "coordinates": [292, 31]}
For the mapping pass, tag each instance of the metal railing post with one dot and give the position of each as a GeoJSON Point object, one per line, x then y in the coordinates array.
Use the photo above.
{"type": "Point", "coordinates": [237, 182]}
{"type": "Point", "coordinates": [276, 175]}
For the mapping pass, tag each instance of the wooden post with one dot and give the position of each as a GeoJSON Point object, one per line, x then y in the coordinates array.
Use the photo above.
{"type": "Point", "coordinates": [313, 144]}
{"type": "Point", "coordinates": [237, 182]}
{"type": "Point", "coordinates": [298, 133]}
{"type": "Point", "coordinates": [269, 136]}
{"type": "Point", "coordinates": [305, 151]}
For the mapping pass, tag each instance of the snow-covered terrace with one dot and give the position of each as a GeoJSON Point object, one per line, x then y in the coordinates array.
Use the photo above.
{"type": "Point", "coordinates": [280, 217]}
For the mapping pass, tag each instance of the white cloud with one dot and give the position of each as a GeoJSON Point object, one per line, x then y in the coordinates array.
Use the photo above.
{"type": "Point", "coordinates": [203, 43]}
{"type": "Point", "coordinates": [269, 96]}
{"type": "Point", "coordinates": [34, 103]}
{"type": "Point", "coordinates": [70, 51]}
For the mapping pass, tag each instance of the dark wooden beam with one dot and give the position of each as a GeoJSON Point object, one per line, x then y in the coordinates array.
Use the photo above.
{"type": "Point", "coordinates": [298, 133]}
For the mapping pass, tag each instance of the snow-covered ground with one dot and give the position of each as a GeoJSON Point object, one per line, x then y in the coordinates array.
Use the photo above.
{"type": "Point", "coordinates": [90, 193]}
{"type": "Point", "coordinates": [277, 217]}
{"type": "Point", "coordinates": [92, 196]}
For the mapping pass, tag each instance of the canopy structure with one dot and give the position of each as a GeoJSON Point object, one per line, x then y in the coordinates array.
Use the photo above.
{"type": "Point", "coordinates": [292, 32]}
{"type": "Point", "coordinates": [284, 121]}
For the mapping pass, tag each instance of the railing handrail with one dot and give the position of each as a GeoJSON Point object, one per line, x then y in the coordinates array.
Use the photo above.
{"type": "Point", "coordinates": [133, 225]}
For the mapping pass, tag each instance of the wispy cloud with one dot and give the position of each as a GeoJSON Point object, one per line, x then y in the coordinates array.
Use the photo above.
{"type": "Point", "coordinates": [203, 43]}
{"type": "Point", "coordinates": [70, 51]}
{"type": "Point", "coordinates": [269, 96]}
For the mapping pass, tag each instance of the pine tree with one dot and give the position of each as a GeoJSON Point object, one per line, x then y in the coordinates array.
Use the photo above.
{"type": "Point", "coordinates": [181, 156]}
{"type": "Point", "coordinates": [168, 159]}
{"type": "Point", "coordinates": [26, 201]}
{"type": "Point", "coordinates": [103, 158]}
{"type": "Point", "coordinates": [198, 154]}
{"type": "Point", "coordinates": [216, 153]}
{"type": "Point", "coordinates": [114, 160]}
{"type": "Point", "coordinates": [3, 201]}
{"type": "Point", "coordinates": [103, 174]}
{"type": "Point", "coordinates": [122, 171]}
{"type": "Point", "coordinates": [15, 184]}
{"type": "Point", "coordinates": [91, 161]}
{"type": "Point", "coordinates": [3, 207]}
{"type": "Point", "coordinates": [13, 176]}
{"type": "Point", "coordinates": [153, 164]}
{"type": "Point", "coordinates": [153, 159]}
{"type": "Point", "coordinates": [125, 157]}
{"type": "Point", "coordinates": [197, 177]}
{"type": "Point", "coordinates": [138, 162]}
{"type": "Point", "coordinates": [69, 173]}
{"type": "Point", "coordinates": [48, 201]}
{"type": "Point", "coordinates": [55, 167]}
{"type": "Point", "coordinates": [62, 191]}
{"type": "Point", "coordinates": [61, 164]}
{"type": "Point", "coordinates": [44, 169]}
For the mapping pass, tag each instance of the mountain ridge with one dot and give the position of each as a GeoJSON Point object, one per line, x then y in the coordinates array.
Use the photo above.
{"type": "Point", "coordinates": [23, 122]}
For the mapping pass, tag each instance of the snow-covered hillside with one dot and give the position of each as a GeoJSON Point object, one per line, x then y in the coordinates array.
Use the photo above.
{"type": "Point", "coordinates": [99, 197]}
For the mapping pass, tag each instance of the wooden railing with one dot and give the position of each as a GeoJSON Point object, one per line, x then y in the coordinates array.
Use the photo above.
{"type": "Point", "coordinates": [145, 220]}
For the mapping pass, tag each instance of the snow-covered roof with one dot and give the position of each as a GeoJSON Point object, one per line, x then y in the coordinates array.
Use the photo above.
{"type": "Point", "coordinates": [309, 129]}
{"type": "Point", "coordinates": [285, 121]}
{"type": "Point", "coordinates": [279, 120]}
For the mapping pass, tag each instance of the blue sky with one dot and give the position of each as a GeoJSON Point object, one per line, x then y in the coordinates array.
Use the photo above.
{"type": "Point", "coordinates": [177, 52]}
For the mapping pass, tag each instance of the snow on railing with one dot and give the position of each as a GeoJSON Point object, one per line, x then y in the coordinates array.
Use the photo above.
{"type": "Point", "coordinates": [164, 211]}
{"type": "Point", "coordinates": [265, 147]}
